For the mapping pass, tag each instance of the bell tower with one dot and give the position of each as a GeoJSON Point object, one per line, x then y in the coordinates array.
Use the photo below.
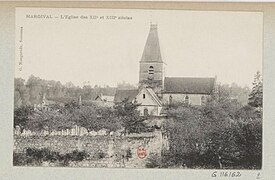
{"type": "Point", "coordinates": [151, 65]}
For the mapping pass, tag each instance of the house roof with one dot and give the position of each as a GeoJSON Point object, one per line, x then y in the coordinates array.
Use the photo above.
{"type": "Point", "coordinates": [151, 50]}
{"type": "Point", "coordinates": [125, 94]}
{"type": "Point", "coordinates": [153, 94]}
{"type": "Point", "coordinates": [105, 98]}
{"type": "Point", "coordinates": [189, 85]}
{"type": "Point", "coordinates": [108, 98]}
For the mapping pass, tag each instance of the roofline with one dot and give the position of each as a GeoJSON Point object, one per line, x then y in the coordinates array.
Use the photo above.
{"type": "Point", "coordinates": [150, 105]}
{"type": "Point", "coordinates": [166, 92]}
{"type": "Point", "coordinates": [151, 61]}
{"type": "Point", "coordinates": [157, 101]}
{"type": "Point", "coordinates": [156, 98]}
{"type": "Point", "coordinates": [191, 77]}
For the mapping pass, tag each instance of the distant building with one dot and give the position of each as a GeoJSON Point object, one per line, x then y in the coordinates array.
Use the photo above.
{"type": "Point", "coordinates": [157, 91]}
{"type": "Point", "coordinates": [55, 102]}
{"type": "Point", "coordinates": [129, 95]}
{"type": "Point", "coordinates": [103, 100]}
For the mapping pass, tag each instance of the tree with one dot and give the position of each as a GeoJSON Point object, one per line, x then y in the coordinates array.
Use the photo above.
{"type": "Point", "coordinates": [21, 93]}
{"type": "Point", "coordinates": [226, 92]}
{"type": "Point", "coordinates": [49, 120]}
{"type": "Point", "coordinates": [22, 116]}
{"type": "Point", "coordinates": [248, 138]}
{"type": "Point", "coordinates": [108, 118]}
{"type": "Point", "coordinates": [87, 116]}
{"type": "Point", "coordinates": [129, 115]}
{"type": "Point", "coordinates": [17, 99]}
{"type": "Point", "coordinates": [256, 96]}
{"type": "Point", "coordinates": [217, 135]}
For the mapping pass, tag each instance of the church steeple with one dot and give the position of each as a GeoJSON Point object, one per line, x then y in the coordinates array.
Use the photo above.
{"type": "Point", "coordinates": [151, 52]}
{"type": "Point", "coordinates": [151, 67]}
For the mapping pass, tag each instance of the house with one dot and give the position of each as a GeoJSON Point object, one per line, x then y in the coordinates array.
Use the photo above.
{"type": "Point", "coordinates": [104, 100]}
{"type": "Point", "coordinates": [122, 95]}
{"type": "Point", "coordinates": [147, 100]}
{"type": "Point", "coordinates": [55, 102]}
{"type": "Point", "coordinates": [149, 103]}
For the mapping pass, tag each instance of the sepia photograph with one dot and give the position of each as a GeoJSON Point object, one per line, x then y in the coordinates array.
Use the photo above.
{"type": "Point", "coordinates": [137, 88]}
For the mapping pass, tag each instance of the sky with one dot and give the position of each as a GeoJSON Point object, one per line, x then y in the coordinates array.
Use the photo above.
{"type": "Point", "coordinates": [228, 45]}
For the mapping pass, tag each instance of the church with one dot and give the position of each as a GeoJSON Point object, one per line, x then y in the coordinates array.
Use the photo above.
{"type": "Point", "coordinates": [156, 91]}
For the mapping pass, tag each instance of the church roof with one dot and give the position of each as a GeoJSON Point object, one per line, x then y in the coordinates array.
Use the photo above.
{"type": "Point", "coordinates": [151, 50]}
{"type": "Point", "coordinates": [125, 94]}
{"type": "Point", "coordinates": [189, 85]}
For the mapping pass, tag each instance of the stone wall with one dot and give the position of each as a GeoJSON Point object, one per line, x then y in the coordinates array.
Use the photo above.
{"type": "Point", "coordinates": [114, 148]}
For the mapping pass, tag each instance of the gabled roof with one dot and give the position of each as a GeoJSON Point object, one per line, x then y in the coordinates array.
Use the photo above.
{"type": "Point", "coordinates": [153, 94]}
{"type": "Point", "coordinates": [189, 85]}
{"type": "Point", "coordinates": [105, 98]}
{"type": "Point", "coordinates": [121, 95]}
{"type": "Point", "coordinates": [151, 52]}
{"type": "Point", "coordinates": [108, 98]}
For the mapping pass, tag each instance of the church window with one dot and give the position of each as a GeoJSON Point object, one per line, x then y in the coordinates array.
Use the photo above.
{"type": "Point", "coordinates": [143, 96]}
{"type": "Point", "coordinates": [151, 70]}
{"type": "Point", "coordinates": [145, 112]}
{"type": "Point", "coordinates": [187, 99]}
{"type": "Point", "coordinates": [170, 99]}
{"type": "Point", "coordinates": [203, 100]}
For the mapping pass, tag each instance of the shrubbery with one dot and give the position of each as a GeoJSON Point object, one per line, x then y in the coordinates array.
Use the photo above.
{"type": "Point", "coordinates": [212, 136]}
{"type": "Point", "coordinates": [124, 115]}
{"type": "Point", "coordinates": [33, 156]}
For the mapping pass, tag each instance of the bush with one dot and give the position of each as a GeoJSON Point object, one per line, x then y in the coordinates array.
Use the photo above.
{"type": "Point", "coordinates": [99, 155]}
{"type": "Point", "coordinates": [34, 156]}
{"type": "Point", "coordinates": [211, 136]}
{"type": "Point", "coordinates": [154, 161]}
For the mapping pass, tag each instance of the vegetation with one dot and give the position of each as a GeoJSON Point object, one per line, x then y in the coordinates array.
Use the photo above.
{"type": "Point", "coordinates": [225, 132]}
{"type": "Point", "coordinates": [222, 133]}
{"type": "Point", "coordinates": [129, 116]}
{"type": "Point", "coordinates": [34, 156]}
{"type": "Point", "coordinates": [256, 95]}
{"type": "Point", "coordinates": [31, 92]}
{"type": "Point", "coordinates": [92, 117]}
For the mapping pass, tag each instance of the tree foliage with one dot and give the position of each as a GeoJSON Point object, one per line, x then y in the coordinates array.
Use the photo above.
{"type": "Point", "coordinates": [225, 92]}
{"type": "Point", "coordinates": [129, 116]}
{"type": "Point", "coordinates": [22, 116]}
{"type": "Point", "coordinates": [57, 118]}
{"type": "Point", "coordinates": [31, 92]}
{"type": "Point", "coordinates": [215, 135]}
{"type": "Point", "coordinates": [256, 95]}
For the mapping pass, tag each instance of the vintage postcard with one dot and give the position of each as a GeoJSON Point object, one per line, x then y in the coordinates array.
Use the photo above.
{"type": "Point", "coordinates": [125, 88]}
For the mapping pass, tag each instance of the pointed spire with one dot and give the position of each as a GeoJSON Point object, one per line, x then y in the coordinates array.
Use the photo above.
{"type": "Point", "coordinates": [151, 52]}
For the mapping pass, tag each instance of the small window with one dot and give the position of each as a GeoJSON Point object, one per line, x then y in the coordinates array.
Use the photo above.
{"type": "Point", "coordinates": [170, 99]}
{"type": "Point", "coordinates": [151, 70]}
{"type": "Point", "coordinates": [187, 99]}
{"type": "Point", "coordinates": [203, 99]}
{"type": "Point", "coordinates": [145, 112]}
{"type": "Point", "coordinates": [143, 96]}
